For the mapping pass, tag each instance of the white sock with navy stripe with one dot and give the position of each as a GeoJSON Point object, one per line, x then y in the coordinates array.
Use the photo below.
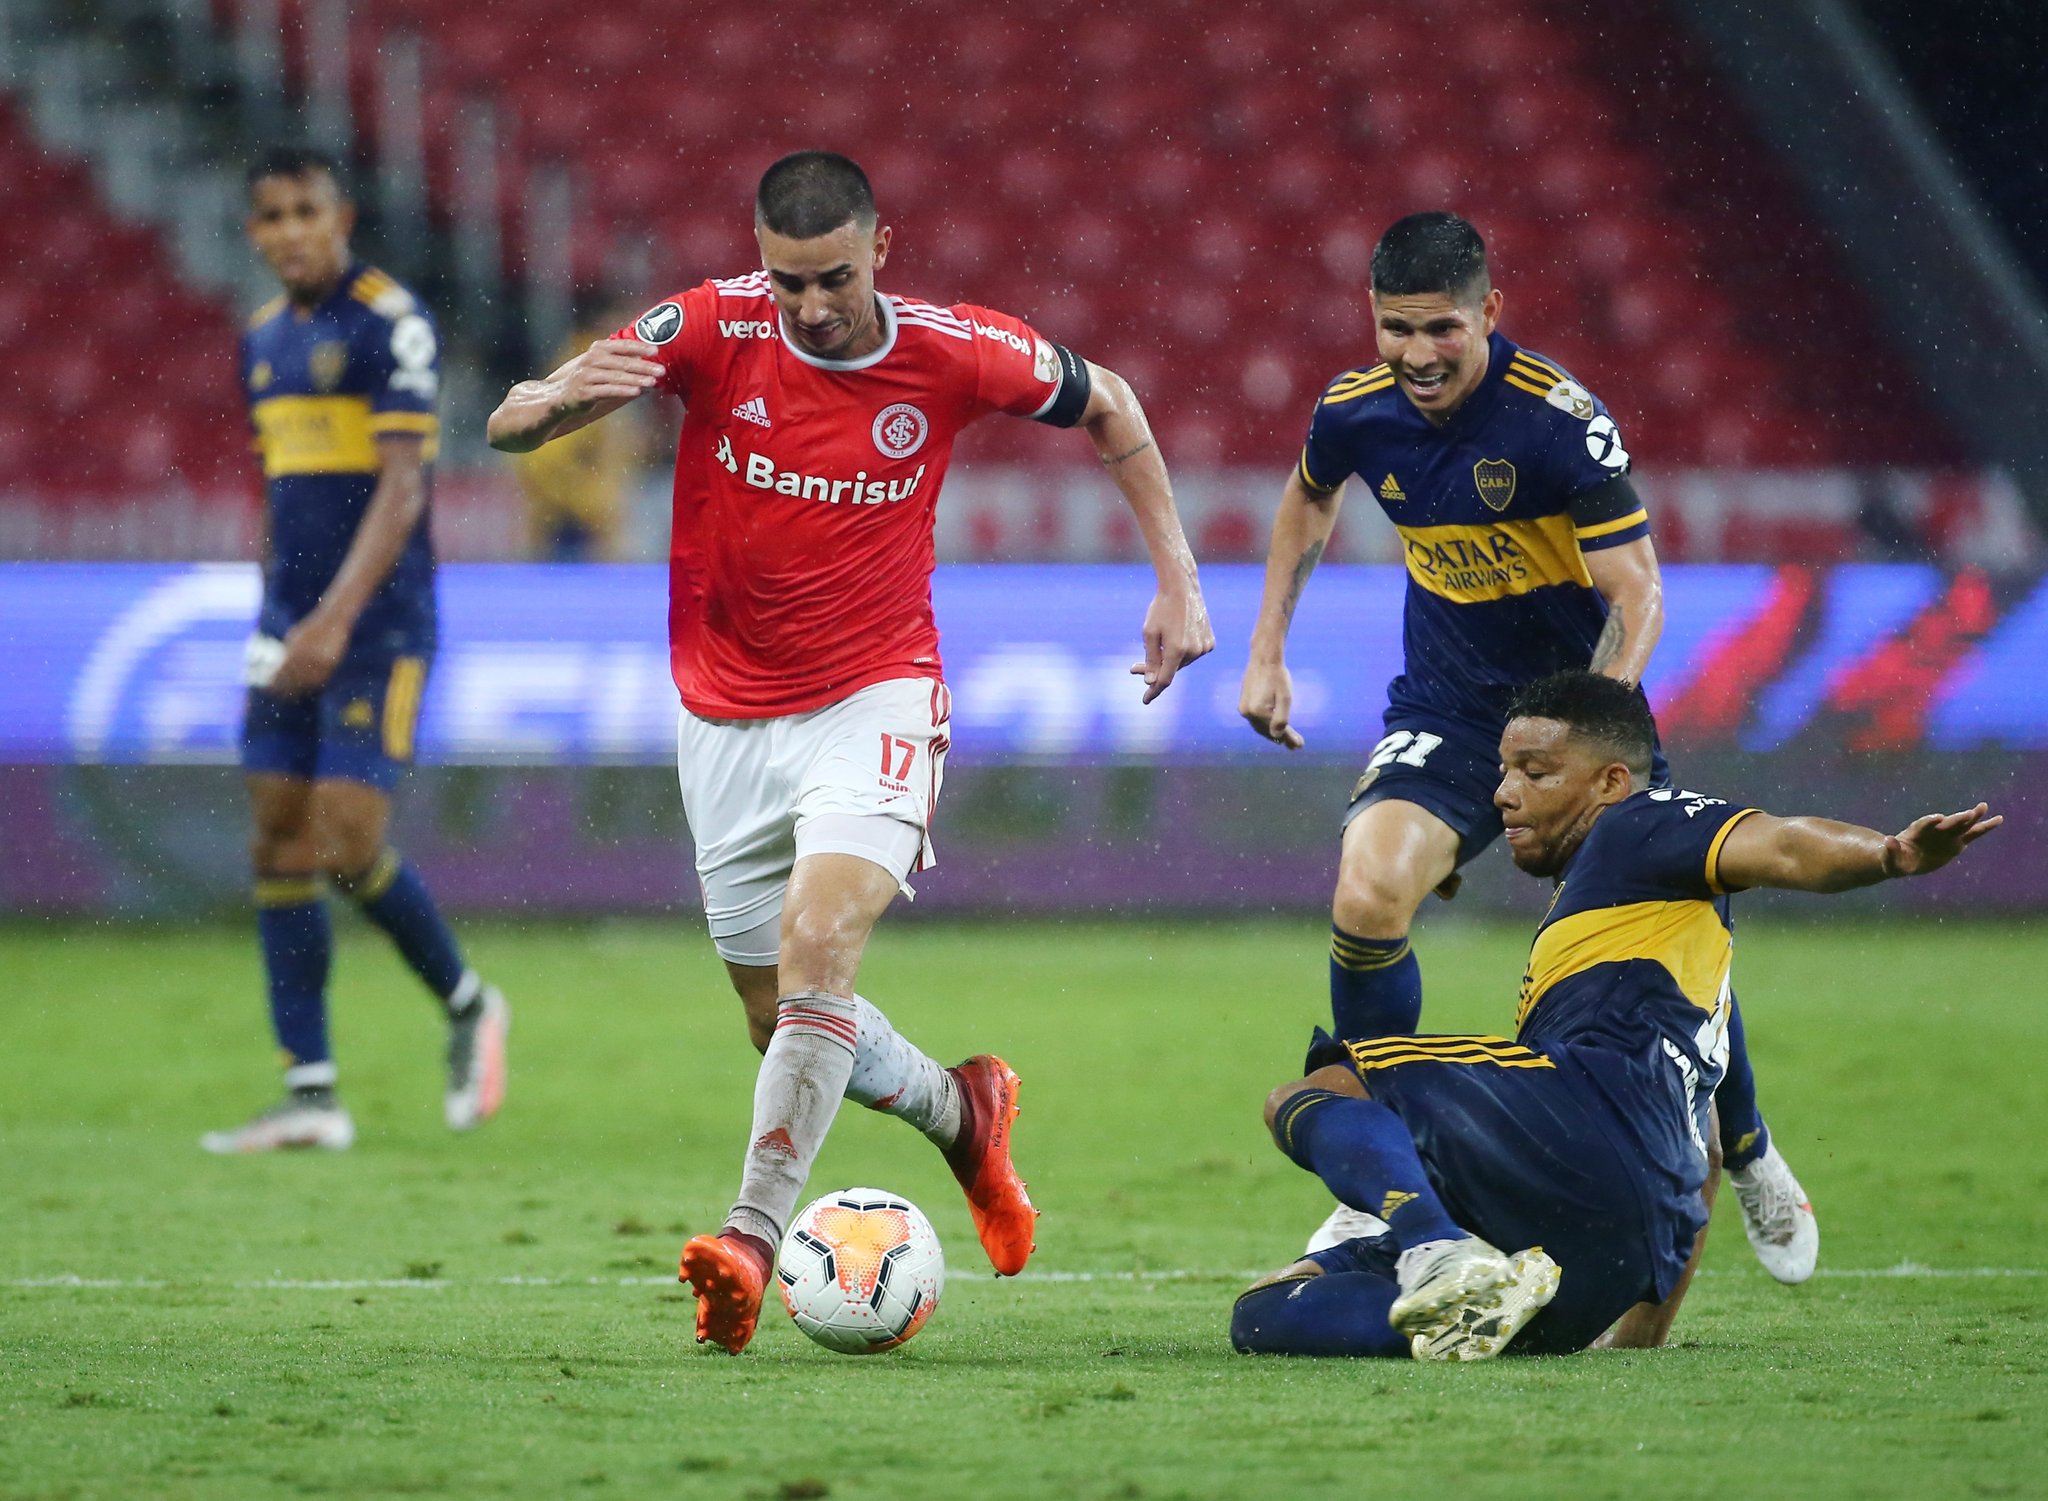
{"type": "Point", "coordinates": [797, 1093]}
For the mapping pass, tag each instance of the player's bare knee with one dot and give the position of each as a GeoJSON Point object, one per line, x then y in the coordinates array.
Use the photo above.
{"type": "Point", "coordinates": [348, 847]}
{"type": "Point", "coordinates": [1334, 1078]}
{"type": "Point", "coordinates": [281, 850]}
{"type": "Point", "coordinates": [1373, 903]}
{"type": "Point", "coordinates": [820, 945]}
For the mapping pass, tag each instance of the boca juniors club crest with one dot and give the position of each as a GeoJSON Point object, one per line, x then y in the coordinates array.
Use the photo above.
{"type": "Point", "coordinates": [327, 364]}
{"type": "Point", "coordinates": [1496, 481]}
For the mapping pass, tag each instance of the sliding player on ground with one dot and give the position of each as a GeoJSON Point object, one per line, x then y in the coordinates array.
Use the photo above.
{"type": "Point", "coordinates": [1582, 1143]}
{"type": "Point", "coordinates": [1528, 552]}
{"type": "Point", "coordinates": [819, 418]}
{"type": "Point", "coordinates": [342, 372]}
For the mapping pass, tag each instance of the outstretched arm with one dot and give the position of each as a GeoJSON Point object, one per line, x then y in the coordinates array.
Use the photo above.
{"type": "Point", "coordinates": [597, 382]}
{"type": "Point", "coordinates": [1628, 579]}
{"type": "Point", "coordinates": [1177, 623]}
{"type": "Point", "coordinates": [1820, 854]}
{"type": "Point", "coordinates": [1301, 530]}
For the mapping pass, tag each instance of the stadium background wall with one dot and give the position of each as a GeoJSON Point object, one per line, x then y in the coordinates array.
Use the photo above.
{"type": "Point", "coordinates": [1868, 691]}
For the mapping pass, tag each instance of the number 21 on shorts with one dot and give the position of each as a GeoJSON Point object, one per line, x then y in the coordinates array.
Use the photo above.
{"type": "Point", "coordinates": [1407, 747]}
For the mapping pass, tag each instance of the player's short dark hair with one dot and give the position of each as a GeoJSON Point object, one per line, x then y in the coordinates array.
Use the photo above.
{"type": "Point", "coordinates": [812, 193]}
{"type": "Point", "coordinates": [1432, 252]}
{"type": "Point", "coordinates": [295, 161]}
{"type": "Point", "coordinates": [1608, 713]}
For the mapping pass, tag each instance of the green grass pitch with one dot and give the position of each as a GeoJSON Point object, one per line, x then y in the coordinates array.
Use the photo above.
{"type": "Point", "coordinates": [491, 1315]}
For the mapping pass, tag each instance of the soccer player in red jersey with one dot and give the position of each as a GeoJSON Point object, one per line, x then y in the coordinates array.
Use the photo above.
{"type": "Point", "coordinates": [819, 419]}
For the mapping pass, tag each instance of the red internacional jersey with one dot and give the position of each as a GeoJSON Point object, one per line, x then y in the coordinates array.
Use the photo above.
{"type": "Point", "coordinates": [801, 561]}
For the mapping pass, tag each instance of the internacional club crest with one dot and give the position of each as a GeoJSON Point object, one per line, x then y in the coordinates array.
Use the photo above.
{"type": "Point", "coordinates": [1496, 481]}
{"type": "Point", "coordinates": [900, 430]}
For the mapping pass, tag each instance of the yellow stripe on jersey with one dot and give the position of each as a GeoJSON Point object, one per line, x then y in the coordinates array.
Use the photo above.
{"type": "Point", "coordinates": [1513, 378]}
{"type": "Point", "coordinates": [1686, 937]}
{"type": "Point", "coordinates": [381, 294]}
{"type": "Point", "coordinates": [1391, 1052]}
{"type": "Point", "coordinates": [1608, 528]}
{"type": "Point", "coordinates": [1358, 377]}
{"type": "Point", "coordinates": [1311, 481]}
{"type": "Point", "coordinates": [315, 435]}
{"type": "Point", "coordinates": [1352, 393]}
{"type": "Point", "coordinates": [425, 424]}
{"type": "Point", "coordinates": [402, 706]}
{"type": "Point", "coordinates": [1714, 852]}
{"type": "Point", "coordinates": [265, 313]}
{"type": "Point", "coordinates": [1540, 365]}
{"type": "Point", "coordinates": [1470, 564]}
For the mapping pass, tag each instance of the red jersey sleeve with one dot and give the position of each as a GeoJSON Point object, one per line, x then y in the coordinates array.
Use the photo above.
{"type": "Point", "coordinates": [680, 330]}
{"type": "Point", "coordinates": [1016, 369]}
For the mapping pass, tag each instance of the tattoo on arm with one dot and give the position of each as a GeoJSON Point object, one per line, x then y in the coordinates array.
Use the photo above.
{"type": "Point", "coordinates": [1129, 453]}
{"type": "Point", "coordinates": [1608, 647]}
{"type": "Point", "coordinates": [1302, 570]}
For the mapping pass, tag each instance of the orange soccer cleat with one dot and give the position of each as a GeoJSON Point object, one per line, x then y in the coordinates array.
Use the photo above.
{"type": "Point", "coordinates": [980, 1159]}
{"type": "Point", "coordinates": [728, 1272]}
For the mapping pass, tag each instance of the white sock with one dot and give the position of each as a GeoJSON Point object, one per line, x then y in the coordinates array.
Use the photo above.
{"type": "Point", "coordinates": [796, 1095]}
{"type": "Point", "coordinates": [892, 1076]}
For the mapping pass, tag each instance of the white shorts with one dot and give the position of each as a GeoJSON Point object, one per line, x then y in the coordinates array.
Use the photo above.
{"type": "Point", "coordinates": [859, 777]}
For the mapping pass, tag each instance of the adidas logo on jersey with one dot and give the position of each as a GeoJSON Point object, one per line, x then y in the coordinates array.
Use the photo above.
{"type": "Point", "coordinates": [1390, 488]}
{"type": "Point", "coordinates": [755, 410]}
{"type": "Point", "coordinates": [747, 328]}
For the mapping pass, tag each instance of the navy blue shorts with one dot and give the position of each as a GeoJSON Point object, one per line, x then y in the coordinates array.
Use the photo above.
{"type": "Point", "coordinates": [1439, 764]}
{"type": "Point", "coordinates": [1449, 767]}
{"type": "Point", "coordinates": [358, 728]}
{"type": "Point", "coordinates": [1524, 1150]}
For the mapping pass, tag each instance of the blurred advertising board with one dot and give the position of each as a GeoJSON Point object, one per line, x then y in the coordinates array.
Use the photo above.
{"type": "Point", "coordinates": [550, 665]}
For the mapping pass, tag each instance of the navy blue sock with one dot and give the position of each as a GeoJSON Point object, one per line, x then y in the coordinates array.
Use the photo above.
{"type": "Point", "coordinates": [392, 895]}
{"type": "Point", "coordinates": [1744, 1136]}
{"type": "Point", "coordinates": [1337, 1313]}
{"type": "Point", "coordinates": [291, 925]}
{"type": "Point", "coordinates": [1365, 1155]}
{"type": "Point", "coordinates": [1375, 986]}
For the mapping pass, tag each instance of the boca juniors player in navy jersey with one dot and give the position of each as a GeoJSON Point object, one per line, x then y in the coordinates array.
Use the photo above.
{"type": "Point", "coordinates": [1586, 1135]}
{"type": "Point", "coordinates": [1528, 552]}
{"type": "Point", "coordinates": [342, 375]}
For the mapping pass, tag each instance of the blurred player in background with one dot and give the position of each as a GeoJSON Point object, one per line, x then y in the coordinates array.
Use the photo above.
{"type": "Point", "coordinates": [342, 374]}
{"type": "Point", "coordinates": [1528, 552]}
{"type": "Point", "coordinates": [1585, 1138]}
{"type": "Point", "coordinates": [819, 419]}
{"type": "Point", "coordinates": [575, 489]}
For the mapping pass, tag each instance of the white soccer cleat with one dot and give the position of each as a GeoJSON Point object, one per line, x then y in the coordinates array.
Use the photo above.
{"type": "Point", "coordinates": [1480, 1328]}
{"type": "Point", "coordinates": [476, 1062]}
{"type": "Point", "coordinates": [1778, 1217]}
{"type": "Point", "coordinates": [1344, 1223]}
{"type": "Point", "coordinates": [291, 1123]}
{"type": "Point", "coordinates": [1439, 1275]}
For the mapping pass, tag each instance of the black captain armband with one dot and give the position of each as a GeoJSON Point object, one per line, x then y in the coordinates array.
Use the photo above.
{"type": "Point", "coordinates": [1076, 385]}
{"type": "Point", "coordinates": [1608, 515]}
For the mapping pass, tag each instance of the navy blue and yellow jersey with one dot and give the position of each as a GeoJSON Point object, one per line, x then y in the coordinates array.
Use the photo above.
{"type": "Point", "coordinates": [1496, 510]}
{"type": "Point", "coordinates": [1633, 958]}
{"type": "Point", "coordinates": [323, 386]}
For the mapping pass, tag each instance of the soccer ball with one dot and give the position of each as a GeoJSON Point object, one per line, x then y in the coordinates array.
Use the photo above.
{"type": "Point", "coordinates": [860, 1270]}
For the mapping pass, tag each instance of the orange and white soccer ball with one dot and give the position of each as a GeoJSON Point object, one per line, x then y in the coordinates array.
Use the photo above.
{"type": "Point", "coordinates": [860, 1270]}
